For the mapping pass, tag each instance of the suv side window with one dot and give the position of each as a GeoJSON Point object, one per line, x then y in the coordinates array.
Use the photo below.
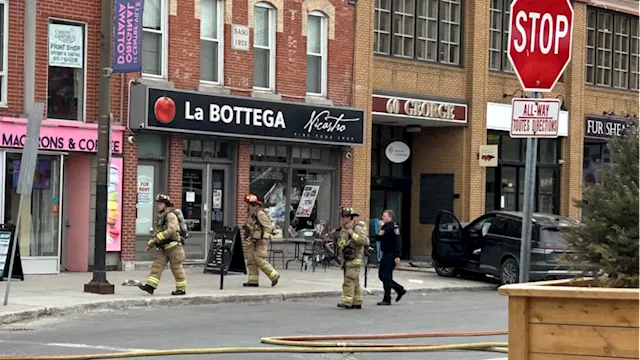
{"type": "Point", "coordinates": [506, 227]}
{"type": "Point", "coordinates": [482, 224]}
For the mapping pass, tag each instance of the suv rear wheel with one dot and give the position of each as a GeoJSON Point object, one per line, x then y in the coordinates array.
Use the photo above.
{"type": "Point", "coordinates": [509, 272]}
{"type": "Point", "coordinates": [444, 270]}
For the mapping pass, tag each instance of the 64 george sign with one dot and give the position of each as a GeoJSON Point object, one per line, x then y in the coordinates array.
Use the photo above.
{"type": "Point", "coordinates": [193, 112]}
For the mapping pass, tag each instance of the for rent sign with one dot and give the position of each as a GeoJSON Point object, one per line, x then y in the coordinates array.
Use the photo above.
{"type": "Point", "coordinates": [56, 135]}
{"type": "Point", "coordinates": [534, 118]}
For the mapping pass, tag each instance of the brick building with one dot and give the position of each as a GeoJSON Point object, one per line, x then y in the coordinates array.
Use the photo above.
{"type": "Point", "coordinates": [228, 103]}
{"type": "Point", "coordinates": [446, 59]}
{"type": "Point", "coordinates": [268, 110]}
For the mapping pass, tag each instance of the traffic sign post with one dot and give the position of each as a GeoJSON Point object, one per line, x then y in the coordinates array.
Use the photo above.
{"type": "Point", "coordinates": [539, 48]}
{"type": "Point", "coordinates": [25, 179]}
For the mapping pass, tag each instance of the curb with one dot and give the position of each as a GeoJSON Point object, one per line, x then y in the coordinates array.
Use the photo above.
{"type": "Point", "coordinates": [172, 301]}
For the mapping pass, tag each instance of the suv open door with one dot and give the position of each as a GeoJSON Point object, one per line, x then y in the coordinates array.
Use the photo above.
{"type": "Point", "coordinates": [447, 245]}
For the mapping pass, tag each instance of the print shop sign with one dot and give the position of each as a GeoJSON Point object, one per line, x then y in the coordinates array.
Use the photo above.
{"type": "Point", "coordinates": [127, 29]}
{"type": "Point", "coordinates": [245, 117]}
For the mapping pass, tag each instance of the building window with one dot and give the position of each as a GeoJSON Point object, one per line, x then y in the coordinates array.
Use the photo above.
{"type": "Point", "coordinates": [4, 48]}
{"type": "Point", "coordinates": [296, 186]}
{"type": "Point", "coordinates": [438, 35]}
{"type": "Point", "coordinates": [154, 37]}
{"type": "Point", "coordinates": [499, 36]}
{"type": "Point", "coordinates": [194, 150]}
{"type": "Point", "coordinates": [316, 54]}
{"type": "Point", "coordinates": [264, 38]}
{"type": "Point", "coordinates": [505, 183]}
{"type": "Point", "coordinates": [211, 41]}
{"type": "Point", "coordinates": [382, 28]}
{"type": "Point", "coordinates": [612, 49]}
{"type": "Point", "coordinates": [66, 71]}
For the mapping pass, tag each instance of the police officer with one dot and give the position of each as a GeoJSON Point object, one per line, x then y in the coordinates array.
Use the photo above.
{"type": "Point", "coordinates": [389, 237]}
{"type": "Point", "coordinates": [258, 231]}
{"type": "Point", "coordinates": [166, 240]}
{"type": "Point", "coordinates": [351, 244]}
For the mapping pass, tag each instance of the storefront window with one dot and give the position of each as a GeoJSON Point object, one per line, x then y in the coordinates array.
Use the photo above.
{"type": "Point", "coordinates": [146, 201]}
{"type": "Point", "coordinates": [311, 198]}
{"type": "Point", "coordinates": [269, 184]}
{"type": "Point", "coordinates": [150, 146]}
{"type": "Point", "coordinates": [508, 193]}
{"type": "Point", "coordinates": [296, 185]}
{"type": "Point", "coordinates": [205, 149]}
{"type": "Point", "coordinates": [40, 220]}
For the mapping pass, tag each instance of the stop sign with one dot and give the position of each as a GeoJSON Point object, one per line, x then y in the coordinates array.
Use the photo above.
{"type": "Point", "coordinates": [540, 35]}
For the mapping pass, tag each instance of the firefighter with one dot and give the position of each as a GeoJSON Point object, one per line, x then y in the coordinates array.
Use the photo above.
{"type": "Point", "coordinates": [351, 244]}
{"type": "Point", "coordinates": [168, 244]}
{"type": "Point", "coordinates": [258, 231]}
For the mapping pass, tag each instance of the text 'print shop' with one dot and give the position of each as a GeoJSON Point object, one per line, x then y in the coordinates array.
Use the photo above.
{"type": "Point", "coordinates": [207, 151]}
{"type": "Point", "coordinates": [55, 227]}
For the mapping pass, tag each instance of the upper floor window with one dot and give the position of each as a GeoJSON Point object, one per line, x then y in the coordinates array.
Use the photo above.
{"type": "Point", "coordinates": [66, 70]}
{"type": "Point", "coordinates": [4, 41]}
{"type": "Point", "coordinates": [154, 37]}
{"type": "Point", "coordinates": [499, 36]}
{"type": "Point", "coordinates": [421, 29]}
{"type": "Point", "coordinates": [316, 54]}
{"type": "Point", "coordinates": [264, 52]}
{"type": "Point", "coordinates": [612, 49]}
{"type": "Point", "coordinates": [211, 40]}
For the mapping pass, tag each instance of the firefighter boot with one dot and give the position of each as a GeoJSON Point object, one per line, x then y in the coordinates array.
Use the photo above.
{"type": "Point", "coordinates": [178, 292]}
{"type": "Point", "coordinates": [247, 284]}
{"type": "Point", "coordinates": [146, 287]}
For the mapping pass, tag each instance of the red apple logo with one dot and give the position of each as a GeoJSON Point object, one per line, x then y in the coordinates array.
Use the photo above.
{"type": "Point", "coordinates": [165, 109]}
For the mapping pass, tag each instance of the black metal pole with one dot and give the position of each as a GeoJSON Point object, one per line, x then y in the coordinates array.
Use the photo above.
{"type": "Point", "coordinates": [99, 283]}
{"type": "Point", "coordinates": [222, 248]}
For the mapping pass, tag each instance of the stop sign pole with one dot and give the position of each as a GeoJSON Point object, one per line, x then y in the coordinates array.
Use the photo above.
{"type": "Point", "coordinates": [539, 48]}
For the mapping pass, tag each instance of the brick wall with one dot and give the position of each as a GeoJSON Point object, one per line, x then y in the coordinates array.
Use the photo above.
{"type": "Point", "coordinates": [129, 200]}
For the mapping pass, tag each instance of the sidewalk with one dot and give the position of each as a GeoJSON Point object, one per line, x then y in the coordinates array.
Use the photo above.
{"type": "Point", "coordinates": [44, 295]}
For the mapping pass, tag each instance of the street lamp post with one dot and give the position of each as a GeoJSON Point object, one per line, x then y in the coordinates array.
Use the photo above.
{"type": "Point", "coordinates": [99, 283]}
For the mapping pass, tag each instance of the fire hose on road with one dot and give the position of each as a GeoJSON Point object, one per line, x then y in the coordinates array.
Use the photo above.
{"type": "Point", "coordinates": [309, 345]}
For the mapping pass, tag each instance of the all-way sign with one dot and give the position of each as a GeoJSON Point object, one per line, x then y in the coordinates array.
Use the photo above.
{"type": "Point", "coordinates": [534, 118]}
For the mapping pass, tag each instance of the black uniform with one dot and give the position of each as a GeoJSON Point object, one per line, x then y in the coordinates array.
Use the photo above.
{"type": "Point", "coordinates": [390, 246]}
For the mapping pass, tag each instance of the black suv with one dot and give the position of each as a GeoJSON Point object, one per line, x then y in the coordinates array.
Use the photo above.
{"type": "Point", "coordinates": [490, 245]}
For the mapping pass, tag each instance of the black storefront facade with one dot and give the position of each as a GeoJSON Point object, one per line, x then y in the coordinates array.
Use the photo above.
{"type": "Point", "coordinates": [291, 155]}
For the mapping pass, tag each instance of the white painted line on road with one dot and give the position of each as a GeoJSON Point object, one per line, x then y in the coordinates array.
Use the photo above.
{"type": "Point", "coordinates": [416, 281]}
{"type": "Point", "coordinates": [500, 358]}
{"type": "Point", "coordinates": [77, 346]}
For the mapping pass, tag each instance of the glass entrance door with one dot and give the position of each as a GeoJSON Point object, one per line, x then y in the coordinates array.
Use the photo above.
{"type": "Point", "coordinates": [382, 200]}
{"type": "Point", "coordinates": [205, 206]}
{"type": "Point", "coordinates": [40, 222]}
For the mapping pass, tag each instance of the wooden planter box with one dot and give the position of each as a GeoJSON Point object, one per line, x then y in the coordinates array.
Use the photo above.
{"type": "Point", "coordinates": [569, 320]}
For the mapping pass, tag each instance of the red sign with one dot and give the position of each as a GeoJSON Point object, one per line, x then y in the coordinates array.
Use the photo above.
{"type": "Point", "coordinates": [540, 36]}
{"type": "Point", "coordinates": [419, 109]}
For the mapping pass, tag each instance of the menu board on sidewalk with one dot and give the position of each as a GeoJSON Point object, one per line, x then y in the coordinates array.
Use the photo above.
{"type": "Point", "coordinates": [6, 240]}
{"type": "Point", "coordinates": [307, 201]}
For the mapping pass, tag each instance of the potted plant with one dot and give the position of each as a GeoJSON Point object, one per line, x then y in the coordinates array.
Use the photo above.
{"type": "Point", "coordinates": [593, 317]}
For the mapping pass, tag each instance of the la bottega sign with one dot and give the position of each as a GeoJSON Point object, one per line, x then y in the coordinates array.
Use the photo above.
{"type": "Point", "coordinates": [165, 109]}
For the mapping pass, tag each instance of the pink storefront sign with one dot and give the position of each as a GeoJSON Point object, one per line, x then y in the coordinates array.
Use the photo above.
{"type": "Point", "coordinates": [60, 135]}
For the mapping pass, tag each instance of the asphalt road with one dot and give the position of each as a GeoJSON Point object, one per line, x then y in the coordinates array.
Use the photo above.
{"type": "Point", "coordinates": [230, 325]}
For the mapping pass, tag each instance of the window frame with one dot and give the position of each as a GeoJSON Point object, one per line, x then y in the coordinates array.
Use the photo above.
{"type": "Point", "coordinates": [5, 54]}
{"type": "Point", "coordinates": [85, 29]}
{"type": "Point", "coordinates": [439, 42]}
{"type": "Point", "coordinates": [593, 70]}
{"type": "Point", "coordinates": [272, 45]}
{"type": "Point", "coordinates": [164, 33]}
{"type": "Point", "coordinates": [290, 166]}
{"type": "Point", "coordinates": [324, 49]}
{"type": "Point", "coordinates": [503, 49]}
{"type": "Point", "coordinates": [378, 33]}
{"type": "Point", "coordinates": [219, 40]}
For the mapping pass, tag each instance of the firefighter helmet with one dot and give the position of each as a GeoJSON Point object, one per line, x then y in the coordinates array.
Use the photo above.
{"type": "Point", "coordinates": [252, 199]}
